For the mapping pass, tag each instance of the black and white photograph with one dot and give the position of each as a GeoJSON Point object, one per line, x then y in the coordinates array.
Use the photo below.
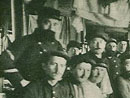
{"type": "Point", "coordinates": [64, 48]}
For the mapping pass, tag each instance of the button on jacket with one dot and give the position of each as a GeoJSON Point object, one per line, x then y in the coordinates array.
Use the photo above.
{"type": "Point", "coordinates": [22, 59]}
{"type": "Point", "coordinates": [42, 89]}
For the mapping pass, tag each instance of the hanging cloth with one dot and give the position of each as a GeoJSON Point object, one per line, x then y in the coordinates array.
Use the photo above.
{"type": "Point", "coordinates": [32, 24]}
{"type": "Point", "coordinates": [93, 11]}
{"type": "Point", "coordinates": [64, 6]}
{"type": "Point", "coordinates": [120, 11]}
{"type": "Point", "coordinates": [51, 3]}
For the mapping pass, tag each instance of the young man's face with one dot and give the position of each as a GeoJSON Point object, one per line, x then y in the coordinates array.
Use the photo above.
{"type": "Point", "coordinates": [127, 64]}
{"type": "Point", "coordinates": [73, 51]}
{"type": "Point", "coordinates": [82, 71]}
{"type": "Point", "coordinates": [52, 24]}
{"type": "Point", "coordinates": [112, 46]}
{"type": "Point", "coordinates": [55, 67]}
{"type": "Point", "coordinates": [97, 45]}
{"type": "Point", "coordinates": [97, 74]}
{"type": "Point", "coordinates": [122, 46]}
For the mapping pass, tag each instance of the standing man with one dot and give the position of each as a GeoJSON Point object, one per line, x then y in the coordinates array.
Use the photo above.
{"type": "Point", "coordinates": [97, 43]}
{"type": "Point", "coordinates": [52, 85]}
{"type": "Point", "coordinates": [114, 63]}
{"type": "Point", "coordinates": [20, 61]}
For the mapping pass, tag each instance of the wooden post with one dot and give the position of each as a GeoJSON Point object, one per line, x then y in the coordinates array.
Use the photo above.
{"type": "Point", "coordinates": [13, 17]}
{"type": "Point", "coordinates": [24, 20]}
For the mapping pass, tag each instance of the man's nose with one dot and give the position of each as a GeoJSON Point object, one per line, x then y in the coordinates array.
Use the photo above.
{"type": "Point", "coordinates": [47, 25]}
{"type": "Point", "coordinates": [57, 68]}
{"type": "Point", "coordinates": [52, 28]}
{"type": "Point", "coordinates": [98, 45]}
{"type": "Point", "coordinates": [97, 73]}
{"type": "Point", "coordinates": [83, 74]}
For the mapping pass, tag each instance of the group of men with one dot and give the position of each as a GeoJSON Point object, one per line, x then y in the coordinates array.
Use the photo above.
{"type": "Point", "coordinates": [38, 64]}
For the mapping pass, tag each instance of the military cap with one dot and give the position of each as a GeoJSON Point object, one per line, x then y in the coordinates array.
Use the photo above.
{"type": "Point", "coordinates": [112, 40]}
{"type": "Point", "coordinates": [79, 59]}
{"type": "Point", "coordinates": [48, 54]}
{"type": "Point", "coordinates": [60, 54]}
{"type": "Point", "coordinates": [101, 65]}
{"type": "Point", "coordinates": [48, 12]}
{"type": "Point", "coordinates": [97, 33]}
{"type": "Point", "coordinates": [123, 39]}
{"type": "Point", "coordinates": [73, 43]}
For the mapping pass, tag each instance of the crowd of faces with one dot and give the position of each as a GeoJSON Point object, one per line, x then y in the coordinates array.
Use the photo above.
{"type": "Point", "coordinates": [57, 65]}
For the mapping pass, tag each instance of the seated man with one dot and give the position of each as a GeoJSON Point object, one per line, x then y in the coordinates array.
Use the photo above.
{"type": "Point", "coordinates": [80, 72]}
{"type": "Point", "coordinates": [52, 85]}
{"type": "Point", "coordinates": [124, 79]}
{"type": "Point", "coordinates": [100, 77]}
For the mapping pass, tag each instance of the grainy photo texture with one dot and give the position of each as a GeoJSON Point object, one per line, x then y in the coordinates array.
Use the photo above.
{"type": "Point", "coordinates": [64, 49]}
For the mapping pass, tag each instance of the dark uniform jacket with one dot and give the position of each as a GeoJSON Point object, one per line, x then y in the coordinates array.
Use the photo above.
{"type": "Point", "coordinates": [25, 55]}
{"type": "Point", "coordinates": [114, 65]}
{"type": "Point", "coordinates": [42, 89]}
{"type": "Point", "coordinates": [91, 55]}
{"type": "Point", "coordinates": [114, 71]}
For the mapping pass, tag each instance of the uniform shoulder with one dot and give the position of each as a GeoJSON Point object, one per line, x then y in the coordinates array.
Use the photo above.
{"type": "Point", "coordinates": [34, 85]}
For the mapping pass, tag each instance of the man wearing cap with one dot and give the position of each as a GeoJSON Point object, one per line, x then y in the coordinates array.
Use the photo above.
{"type": "Point", "coordinates": [20, 61]}
{"type": "Point", "coordinates": [51, 85]}
{"type": "Point", "coordinates": [97, 43]}
{"type": "Point", "coordinates": [122, 47]}
{"type": "Point", "coordinates": [114, 63]}
{"type": "Point", "coordinates": [73, 48]}
{"type": "Point", "coordinates": [111, 47]}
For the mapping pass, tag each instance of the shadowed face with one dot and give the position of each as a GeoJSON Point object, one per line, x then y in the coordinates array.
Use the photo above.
{"type": "Point", "coordinates": [52, 24]}
{"type": "Point", "coordinates": [97, 45]}
{"type": "Point", "coordinates": [55, 67]}
{"type": "Point", "coordinates": [82, 71]}
{"type": "Point", "coordinates": [127, 64]}
{"type": "Point", "coordinates": [122, 46]}
{"type": "Point", "coordinates": [97, 74]}
{"type": "Point", "coordinates": [112, 46]}
{"type": "Point", "coordinates": [73, 51]}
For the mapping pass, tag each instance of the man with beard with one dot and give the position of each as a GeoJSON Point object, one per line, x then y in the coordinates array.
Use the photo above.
{"type": "Point", "coordinates": [111, 47]}
{"type": "Point", "coordinates": [114, 62]}
{"type": "Point", "coordinates": [124, 79]}
{"type": "Point", "coordinates": [20, 61]}
{"type": "Point", "coordinates": [99, 76]}
{"type": "Point", "coordinates": [97, 42]}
